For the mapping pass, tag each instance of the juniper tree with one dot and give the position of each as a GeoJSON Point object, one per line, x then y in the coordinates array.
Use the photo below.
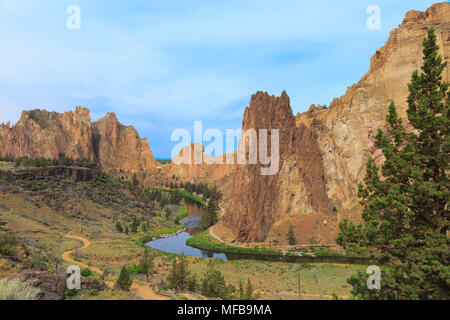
{"type": "Point", "coordinates": [124, 281]}
{"type": "Point", "coordinates": [249, 290]}
{"type": "Point", "coordinates": [147, 263]}
{"type": "Point", "coordinates": [178, 276]}
{"type": "Point", "coordinates": [213, 283]}
{"type": "Point", "coordinates": [405, 216]}
{"type": "Point", "coordinates": [119, 227]}
{"type": "Point", "coordinates": [291, 236]}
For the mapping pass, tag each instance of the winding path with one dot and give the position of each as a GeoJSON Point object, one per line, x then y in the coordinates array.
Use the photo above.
{"type": "Point", "coordinates": [144, 292]}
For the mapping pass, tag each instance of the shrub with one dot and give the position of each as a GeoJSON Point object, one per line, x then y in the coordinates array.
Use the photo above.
{"type": "Point", "coordinates": [92, 292]}
{"type": "Point", "coordinates": [135, 268]}
{"type": "Point", "coordinates": [70, 292]}
{"type": "Point", "coordinates": [8, 243]}
{"type": "Point", "coordinates": [86, 272]}
{"type": "Point", "coordinates": [17, 290]}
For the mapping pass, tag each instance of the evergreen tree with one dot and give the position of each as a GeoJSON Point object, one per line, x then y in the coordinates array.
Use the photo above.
{"type": "Point", "coordinates": [147, 263]}
{"type": "Point", "coordinates": [406, 216]}
{"type": "Point", "coordinates": [119, 227]}
{"type": "Point", "coordinates": [179, 273]}
{"type": "Point", "coordinates": [192, 284]}
{"type": "Point", "coordinates": [176, 197]}
{"type": "Point", "coordinates": [249, 290]}
{"type": "Point", "coordinates": [134, 225]}
{"type": "Point", "coordinates": [213, 283]}
{"type": "Point", "coordinates": [291, 236]}
{"type": "Point", "coordinates": [241, 290]}
{"type": "Point", "coordinates": [124, 281]}
{"type": "Point", "coordinates": [210, 217]}
{"type": "Point", "coordinates": [135, 180]}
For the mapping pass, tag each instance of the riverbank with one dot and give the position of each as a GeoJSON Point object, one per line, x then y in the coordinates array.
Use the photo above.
{"type": "Point", "coordinates": [205, 241]}
{"type": "Point", "coordinates": [189, 197]}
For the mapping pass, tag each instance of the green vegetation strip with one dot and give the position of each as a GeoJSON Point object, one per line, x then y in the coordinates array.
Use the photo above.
{"type": "Point", "coordinates": [203, 241]}
{"type": "Point", "coordinates": [186, 195]}
{"type": "Point", "coordinates": [182, 213]}
{"type": "Point", "coordinates": [155, 234]}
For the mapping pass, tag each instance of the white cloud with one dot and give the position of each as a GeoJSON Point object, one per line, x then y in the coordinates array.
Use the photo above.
{"type": "Point", "coordinates": [174, 61]}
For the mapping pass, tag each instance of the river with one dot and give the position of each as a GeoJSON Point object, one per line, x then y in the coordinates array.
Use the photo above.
{"type": "Point", "coordinates": [177, 243]}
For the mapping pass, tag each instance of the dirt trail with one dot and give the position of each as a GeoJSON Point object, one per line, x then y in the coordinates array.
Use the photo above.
{"type": "Point", "coordinates": [144, 292]}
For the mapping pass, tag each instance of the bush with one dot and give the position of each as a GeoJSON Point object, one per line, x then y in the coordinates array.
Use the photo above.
{"type": "Point", "coordinates": [8, 243]}
{"type": "Point", "coordinates": [17, 290]}
{"type": "Point", "coordinates": [135, 269]}
{"type": "Point", "coordinates": [86, 272]}
{"type": "Point", "coordinates": [70, 292]}
{"type": "Point", "coordinates": [92, 292]}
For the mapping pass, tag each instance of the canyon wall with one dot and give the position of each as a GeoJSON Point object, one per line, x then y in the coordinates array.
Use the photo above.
{"type": "Point", "coordinates": [40, 133]}
{"type": "Point", "coordinates": [323, 152]}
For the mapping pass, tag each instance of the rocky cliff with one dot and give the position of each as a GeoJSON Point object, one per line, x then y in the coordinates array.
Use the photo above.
{"type": "Point", "coordinates": [323, 152]}
{"type": "Point", "coordinates": [40, 133]}
{"type": "Point", "coordinates": [258, 201]}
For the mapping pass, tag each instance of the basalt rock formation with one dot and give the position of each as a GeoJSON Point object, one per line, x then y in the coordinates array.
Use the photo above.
{"type": "Point", "coordinates": [192, 163]}
{"type": "Point", "coordinates": [120, 147]}
{"type": "Point", "coordinates": [323, 152]}
{"type": "Point", "coordinates": [40, 133]}
{"type": "Point", "coordinates": [299, 188]}
{"type": "Point", "coordinates": [76, 173]}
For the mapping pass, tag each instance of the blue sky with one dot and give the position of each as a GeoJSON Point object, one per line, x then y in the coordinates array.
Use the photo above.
{"type": "Point", "coordinates": [161, 64]}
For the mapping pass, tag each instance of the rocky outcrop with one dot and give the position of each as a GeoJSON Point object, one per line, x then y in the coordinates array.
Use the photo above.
{"type": "Point", "coordinates": [259, 201]}
{"type": "Point", "coordinates": [40, 133]}
{"type": "Point", "coordinates": [120, 147]}
{"type": "Point", "coordinates": [207, 169]}
{"type": "Point", "coordinates": [51, 287]}
{"type": "Point", "coordinates": [76, 173]}
{"type": "Point", "coordinates": [323, 151]}
{"type": "Point", "coordinates": [113, 146]}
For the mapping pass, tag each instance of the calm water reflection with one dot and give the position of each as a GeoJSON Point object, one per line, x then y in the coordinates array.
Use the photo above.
{"type": "Point", "coordinates": [177, 243]}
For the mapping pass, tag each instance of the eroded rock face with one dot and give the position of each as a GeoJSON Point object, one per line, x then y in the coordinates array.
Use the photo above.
{"type": "Point", "coordinates": [192, 163]}
{"type": "Point", "coordinates": [40, 133]}
{"type": "Point", "coordinates": [120, 147]}
{"type": "Point", "coordinates": [258, 201]}
{"type": "Point", "coordinates": [323, 152]}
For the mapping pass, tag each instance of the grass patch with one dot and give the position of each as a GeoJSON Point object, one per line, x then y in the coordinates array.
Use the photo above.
{"type": "Point", "coordinates": [186, 195]}
{"type": "Point", "coordinates": [182, 213]}
{"type": "Point", "coordinates": [155, 234]}
{"type": "Point", "coordinates": [203, 241]}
